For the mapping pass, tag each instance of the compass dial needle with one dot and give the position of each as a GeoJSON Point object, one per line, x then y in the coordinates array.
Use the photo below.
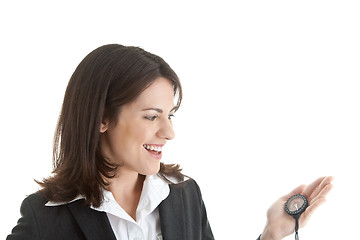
{"type": "Point", "coordinates": [295, 205]}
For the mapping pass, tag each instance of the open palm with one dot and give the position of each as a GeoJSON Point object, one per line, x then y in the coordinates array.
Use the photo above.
{"type": "Point", "coordinates": [280, 224]}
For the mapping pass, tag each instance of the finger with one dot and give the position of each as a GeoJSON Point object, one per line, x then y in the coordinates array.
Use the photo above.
{"type": "Point", "coordinates": [310, 188]}
{"type": "Point", "coordinates": [297, 190]}
{"type": "Point", "coordinates": [322, 194]}
{"type": "Point", "coordinates": [314, 186]}
{"type": "Point", "coordinates": [319, 189]}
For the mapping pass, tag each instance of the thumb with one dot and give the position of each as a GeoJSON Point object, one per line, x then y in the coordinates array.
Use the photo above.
{"type": "Point", "coordinates": [304, 218]}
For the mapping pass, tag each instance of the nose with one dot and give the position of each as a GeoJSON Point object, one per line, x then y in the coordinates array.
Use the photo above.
{"type": "Point", "coordinates": [166, 130]}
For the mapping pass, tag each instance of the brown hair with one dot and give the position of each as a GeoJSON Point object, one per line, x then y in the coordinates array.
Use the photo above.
{"type": "Point", "coordinates": [107, 78]}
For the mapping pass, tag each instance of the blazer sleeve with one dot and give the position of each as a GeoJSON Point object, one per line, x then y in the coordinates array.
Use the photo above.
{"type": "Point", "coordinates": [27, 226]}
{"type": "Point", "coordinates": [206, 229]}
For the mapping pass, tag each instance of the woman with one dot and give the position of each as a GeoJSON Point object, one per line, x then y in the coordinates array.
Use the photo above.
{"type": "Point", "coordinates": [108, 181]}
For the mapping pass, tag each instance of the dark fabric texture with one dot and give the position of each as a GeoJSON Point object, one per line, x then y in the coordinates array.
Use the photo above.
{"type": "Point", "coordinates": [182, 216]}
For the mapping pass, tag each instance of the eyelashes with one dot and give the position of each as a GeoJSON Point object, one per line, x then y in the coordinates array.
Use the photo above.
{"type": "Point", "coordinates": [151, 118]}
{"type": "Point", "coordinates": [154, 117]}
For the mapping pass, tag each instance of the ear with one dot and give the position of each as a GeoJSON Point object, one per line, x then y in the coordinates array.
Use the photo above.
{"type": "Point", "coordinates": [104, 126]}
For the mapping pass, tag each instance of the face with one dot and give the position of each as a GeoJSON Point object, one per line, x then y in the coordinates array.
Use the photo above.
{"type": "Point", "coordinates": [142, 129]}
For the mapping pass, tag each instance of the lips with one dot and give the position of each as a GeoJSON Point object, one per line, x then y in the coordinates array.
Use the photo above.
{"type": "Point", "coordinates": [154, 150]}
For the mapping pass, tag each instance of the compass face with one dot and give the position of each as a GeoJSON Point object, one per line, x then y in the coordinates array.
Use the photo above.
{"type": "Point", "coordinates": [296, 204]}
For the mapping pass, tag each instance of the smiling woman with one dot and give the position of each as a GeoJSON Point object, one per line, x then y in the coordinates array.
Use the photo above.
{"type": "Point", "coordinates": [104, 93]}
{"type": "Point", "coordinates": [108, 181]}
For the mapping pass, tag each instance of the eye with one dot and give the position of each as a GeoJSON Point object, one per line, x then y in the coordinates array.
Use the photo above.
{"type": "Point", "coordinates": [151, 118]}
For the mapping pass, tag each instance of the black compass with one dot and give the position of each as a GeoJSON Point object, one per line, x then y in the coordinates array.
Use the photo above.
{"type": "Point", "coordinates": [295, 206]}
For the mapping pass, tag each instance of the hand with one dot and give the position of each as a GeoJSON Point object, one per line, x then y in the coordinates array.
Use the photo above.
{"type": "Point", "coordinates": [280, 224]}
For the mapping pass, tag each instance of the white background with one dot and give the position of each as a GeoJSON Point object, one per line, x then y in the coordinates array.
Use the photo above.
{"type": "Point", "coordinates": [271, 98]}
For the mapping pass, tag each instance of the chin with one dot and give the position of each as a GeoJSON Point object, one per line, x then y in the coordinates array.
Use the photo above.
{"type": "Point", "coordinates": [152, 170]}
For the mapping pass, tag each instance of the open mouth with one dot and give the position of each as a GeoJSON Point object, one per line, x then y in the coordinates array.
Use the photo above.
{"type": "Point", "coordinates": [153, 149]}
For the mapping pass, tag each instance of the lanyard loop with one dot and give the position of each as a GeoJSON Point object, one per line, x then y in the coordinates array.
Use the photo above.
{"type": "Point", "coordinates": [296, 228]}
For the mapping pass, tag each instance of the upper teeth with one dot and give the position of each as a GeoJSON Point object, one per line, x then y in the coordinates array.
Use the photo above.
{"type": "Point", "coordinates": [153, 148]}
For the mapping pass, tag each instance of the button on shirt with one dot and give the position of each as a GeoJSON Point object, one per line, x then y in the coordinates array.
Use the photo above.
{"type": "Point", "coordinates": [147, 224]}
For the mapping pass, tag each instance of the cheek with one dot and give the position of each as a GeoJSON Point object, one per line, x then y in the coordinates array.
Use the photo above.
{"type": "Point", "coordinates": [137, 135]}
{"type": "Point", "coordinates": [142, 134]}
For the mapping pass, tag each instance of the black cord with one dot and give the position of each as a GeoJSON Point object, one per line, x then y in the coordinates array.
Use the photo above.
{"type": "Point", "coordinates": [296, 229]}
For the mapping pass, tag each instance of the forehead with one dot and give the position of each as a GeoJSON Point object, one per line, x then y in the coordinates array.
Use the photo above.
{"type": "Point", "coordinates": [159, 93]}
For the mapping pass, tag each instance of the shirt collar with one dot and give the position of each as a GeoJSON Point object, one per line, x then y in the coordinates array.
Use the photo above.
{"type": "Point", "coordinates": [52, 203]}
{"type": "Point", "coordinates": [154, 191]}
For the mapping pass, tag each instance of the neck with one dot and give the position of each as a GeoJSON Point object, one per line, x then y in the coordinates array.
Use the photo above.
{"type": "Point", "coordinates": [126, 188]}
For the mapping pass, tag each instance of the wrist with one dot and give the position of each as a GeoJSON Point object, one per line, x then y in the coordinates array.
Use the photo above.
{"type": "Point", "coordinates": [268, 234]}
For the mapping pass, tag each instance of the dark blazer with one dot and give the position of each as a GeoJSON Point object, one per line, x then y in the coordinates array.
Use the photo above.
{"type": "Point", "coordinates": [182, 216]}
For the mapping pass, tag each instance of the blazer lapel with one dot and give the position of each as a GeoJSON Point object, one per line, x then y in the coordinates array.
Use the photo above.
{"type": "Point", "coordinates": [94, 224]}
{"type": "Point", "coordinates": [172, 215]}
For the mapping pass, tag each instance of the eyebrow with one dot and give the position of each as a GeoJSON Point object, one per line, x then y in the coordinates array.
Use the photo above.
{"type": "Point", "coordinates": [159, 110]}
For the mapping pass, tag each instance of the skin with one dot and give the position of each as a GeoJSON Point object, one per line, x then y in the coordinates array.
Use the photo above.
{"type": "Point", "coordinates": [146, 120]}
{"type": "Point", "coordinates": [280, 224]}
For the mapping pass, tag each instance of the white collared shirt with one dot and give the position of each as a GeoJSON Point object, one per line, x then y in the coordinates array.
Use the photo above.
{"type": "Point", "coordinates": [147, 224]}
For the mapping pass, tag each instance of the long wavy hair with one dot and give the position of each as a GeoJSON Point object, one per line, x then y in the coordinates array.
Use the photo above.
{"type": "Point", "coordinates": [105, 80]}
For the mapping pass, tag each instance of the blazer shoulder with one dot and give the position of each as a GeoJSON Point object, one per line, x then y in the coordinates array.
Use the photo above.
{"type": "Point", "coordinates": [187, 191]}
{"type": "Point", "coordinates": [189, 185]}
{"type": "Point", "coordinates": [183, 214]}
{"type": "Point", "coordinates": [27, 226]}
{"type": "Point", "coordinates": [73, 220]}
{"type": "Point", "coordinates": [36, 199]}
